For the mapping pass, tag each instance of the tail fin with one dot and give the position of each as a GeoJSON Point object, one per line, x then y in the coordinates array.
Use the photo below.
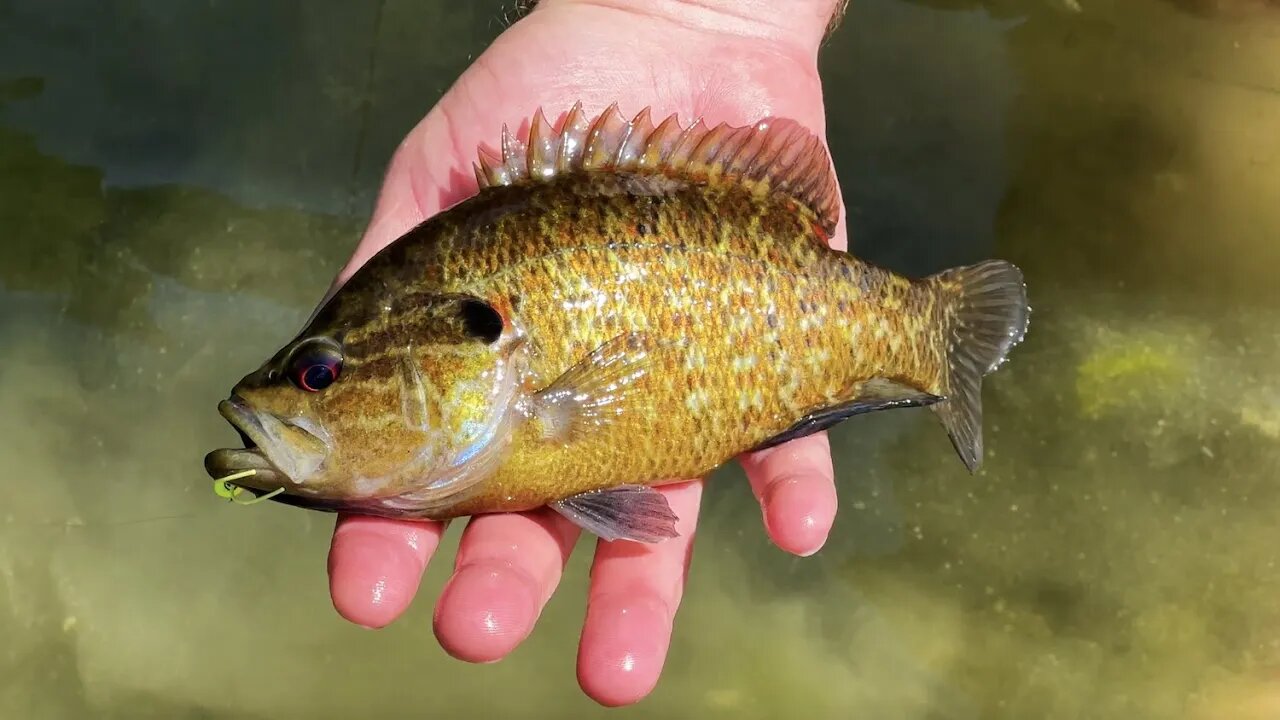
{"type": "Point", "coordinates": [988, 314]}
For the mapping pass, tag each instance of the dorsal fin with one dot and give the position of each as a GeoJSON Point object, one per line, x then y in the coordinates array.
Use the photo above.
{"type": "Point", "coordinates": [773, 155]}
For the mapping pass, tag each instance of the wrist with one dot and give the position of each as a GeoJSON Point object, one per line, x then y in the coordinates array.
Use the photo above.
{"type": "Point", "coordinates": [804, 23]}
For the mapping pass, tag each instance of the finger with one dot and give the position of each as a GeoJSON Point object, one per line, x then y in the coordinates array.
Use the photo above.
{"type": "Point", "coordinates": [635, 590]}
{"type": "Point", "coordinates": [375, 565]}
{"type": "Point", "coordinates": [508, 566]}
{"type": "Point", "coordinates": [795, 485]}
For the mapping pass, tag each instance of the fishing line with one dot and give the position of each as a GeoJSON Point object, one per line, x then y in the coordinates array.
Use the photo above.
{"type": "Point", "coordinates": [222, 487]}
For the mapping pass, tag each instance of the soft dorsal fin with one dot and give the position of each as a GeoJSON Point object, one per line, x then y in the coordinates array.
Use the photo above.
{"type": "Point", "coordinates": [773, 155]}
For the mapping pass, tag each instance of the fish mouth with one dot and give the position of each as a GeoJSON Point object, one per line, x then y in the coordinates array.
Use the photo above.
{"type": "Point", "coordinates": [253, 456]}
{"type": "Point", "coordinates": [283, 454]}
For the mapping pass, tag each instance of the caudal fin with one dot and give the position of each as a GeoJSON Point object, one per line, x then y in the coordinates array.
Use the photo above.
{"type": "Point", "coordinates": [988, 315]}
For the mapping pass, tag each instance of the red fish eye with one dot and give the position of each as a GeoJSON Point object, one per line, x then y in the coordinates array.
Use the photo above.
{"type": "Point", "coordinates": [315, 368]}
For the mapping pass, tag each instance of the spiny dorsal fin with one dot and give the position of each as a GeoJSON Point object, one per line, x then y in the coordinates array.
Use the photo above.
{"type": "Point", "coordinates": [773, 155]}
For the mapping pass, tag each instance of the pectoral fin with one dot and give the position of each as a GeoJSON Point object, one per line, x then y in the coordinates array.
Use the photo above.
{"type": "Point", "coordinates": [594, 392]}
{"type": "Point", "coordinates": [875, 394]}
{"type": "Point", "coordinates": [628, 512]}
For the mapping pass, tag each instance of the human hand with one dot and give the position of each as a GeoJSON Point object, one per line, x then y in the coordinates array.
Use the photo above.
{"type": "Point", "coordinates": [722, 60]}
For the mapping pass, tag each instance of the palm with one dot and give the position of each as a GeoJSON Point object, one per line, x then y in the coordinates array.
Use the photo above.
{"type": "Point", "coordinates": [509, 564]}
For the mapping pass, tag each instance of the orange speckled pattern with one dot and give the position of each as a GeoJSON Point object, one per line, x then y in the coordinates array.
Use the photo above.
{"type": "Point", "coordinates": [759, 323]}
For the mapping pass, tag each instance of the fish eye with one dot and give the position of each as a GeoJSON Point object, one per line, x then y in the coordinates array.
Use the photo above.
{"type": "Point", "coordinates": [315, 366]}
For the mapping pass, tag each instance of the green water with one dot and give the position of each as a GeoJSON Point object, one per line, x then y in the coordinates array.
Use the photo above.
{"type": "Point", "coordinates": [179, 182]}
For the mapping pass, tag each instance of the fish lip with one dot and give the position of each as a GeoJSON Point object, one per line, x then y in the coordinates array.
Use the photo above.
{"type": "Point", "coordinates": [226, 461]}
{"type": "Point", "coordinates": [274, 462]}
{"type": "Point", "coordinates": [236, 412]}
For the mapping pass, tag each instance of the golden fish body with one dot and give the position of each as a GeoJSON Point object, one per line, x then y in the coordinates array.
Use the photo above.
{"type": "Point", "coordinates": [749, 320]}
{"type": "Point", "coordinates": [619, 307]}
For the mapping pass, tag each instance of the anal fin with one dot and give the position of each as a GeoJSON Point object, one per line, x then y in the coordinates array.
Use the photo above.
{"type": "Point", "coordinates": [874, 394]}
{"type": "Point", "coordinates": [628, 512]}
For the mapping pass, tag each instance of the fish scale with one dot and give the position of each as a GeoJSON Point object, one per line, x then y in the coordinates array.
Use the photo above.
{"type": "Point", "coordinates": [727, 282]}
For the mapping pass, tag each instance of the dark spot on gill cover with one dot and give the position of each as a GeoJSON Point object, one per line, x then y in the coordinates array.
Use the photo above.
{"type": "Point", "coordinates": [481, 320]}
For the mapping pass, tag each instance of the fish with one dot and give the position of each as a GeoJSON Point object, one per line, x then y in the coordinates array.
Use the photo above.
{"type": "Point", "coordinates": [619, 306]}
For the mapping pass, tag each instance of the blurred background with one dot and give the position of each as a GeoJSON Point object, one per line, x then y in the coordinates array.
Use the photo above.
{"type": "Point", "coordinates": [179, 181]}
